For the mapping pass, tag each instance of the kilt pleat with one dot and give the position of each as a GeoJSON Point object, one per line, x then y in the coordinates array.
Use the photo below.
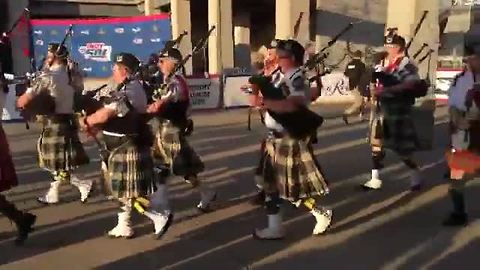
{"type": "Point", "coordinates": [291, 170]}
{"type": "Point", "coordinates": [8, 175]}
{"type": "Point", "coordinates": [399, 133]}
{"type": "Point", "coordinates": [129, 172]}
{"type": "Point", "coordinates": [60, 149]}
{"type": "Point", "coordinates": [173, 150]}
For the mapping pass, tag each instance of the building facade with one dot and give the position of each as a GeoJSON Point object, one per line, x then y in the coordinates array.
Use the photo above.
{"type": "Point", "coordinates": [243, 26]}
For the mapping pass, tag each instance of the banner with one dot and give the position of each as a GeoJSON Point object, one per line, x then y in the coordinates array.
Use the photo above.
{"type": "Point", "coordinates": [335, 84]}
{"type": "Point", "coordinates": [95, 42]}
{"type": "Point", "coordinates": [335, 89]}
{"type": "Point", "coordinates": [204, 92]}
{"type": "Point", "coordinates": [232, 95]}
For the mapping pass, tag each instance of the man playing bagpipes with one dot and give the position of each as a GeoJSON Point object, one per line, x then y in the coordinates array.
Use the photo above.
{"type": "Point", "coordinates": [8, 179]}
{"type": "Point", "coordinates": [60, 151]}
{"type": "Point", "coordinates": [272, 70]}
{"type": "Point", "coordinates": [290, 171]}
{"type": "Point", "coordinates": [171, 148]}
{"type": "Point", "coordinates": [464, 155]}
{"type": "Point", "coordinates": [129, 175]}
{"type": "Point", "coordinates": [397, 84]}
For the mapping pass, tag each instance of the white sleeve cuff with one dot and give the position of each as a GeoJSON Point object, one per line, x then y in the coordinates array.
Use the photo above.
{"type": "Point", "coordinates": [297, 94]}
{"type": "Point", "coordinates": [29, 90]}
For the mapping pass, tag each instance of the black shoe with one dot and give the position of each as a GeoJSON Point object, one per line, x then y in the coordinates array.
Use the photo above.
{"type": "Point", "coordinates": [446, 175]}
{"type": "Point", "coordinates": [456, 219]}
{"type": "Point", "coordinates": [259, 198]}
{"type": "Point", "coordinates": [24, 227]}
{"type": "Point", "coordinates": [345, 119]}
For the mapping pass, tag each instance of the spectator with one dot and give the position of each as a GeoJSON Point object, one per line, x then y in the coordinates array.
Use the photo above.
{"type": "Point", "coordinates": [354, 72]}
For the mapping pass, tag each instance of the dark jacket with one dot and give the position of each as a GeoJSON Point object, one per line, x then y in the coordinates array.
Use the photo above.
{"type": "Point", "coordinates": [354, 71]}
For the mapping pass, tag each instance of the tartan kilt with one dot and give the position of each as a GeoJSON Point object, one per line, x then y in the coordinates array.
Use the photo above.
{"type": "Point", "coordinates": [172, 150]}
{"type": "Point", "coordinates": [59, 147]}
{"type": "Point", "coordinates": [398, 129]}
{"type": "Point", "coordinates": [292, 170]}
{"type": "Point", "coordinates": [129, 172]}
{"type": "Point", "coordinates": [8, 176]}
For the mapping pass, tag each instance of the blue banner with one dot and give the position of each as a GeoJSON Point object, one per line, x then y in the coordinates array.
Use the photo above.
{"type": "Point", "coordinates": [95, 42]}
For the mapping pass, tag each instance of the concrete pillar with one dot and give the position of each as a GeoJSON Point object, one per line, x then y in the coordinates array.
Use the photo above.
{"type": "Point", "coordinates": [149, 7]}
{"type": "Point", "coordinates": [287, 13]}
{"type": "Point", "coordinates": [220, 43]}
{"type": "Point", "coordinates": [405, 15]}
{"type": "Point", "coordinates": [181, 21]}
{"type": "Point", "coordinates": [459, 21]}
{"type": "Point", "coordinates": [241, 23]}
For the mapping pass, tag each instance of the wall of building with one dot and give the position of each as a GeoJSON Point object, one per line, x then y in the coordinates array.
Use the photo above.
{"type": "Point", "coordinates": [331, 17]}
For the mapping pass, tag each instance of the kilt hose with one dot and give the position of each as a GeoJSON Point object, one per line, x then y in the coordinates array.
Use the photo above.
{"type": "Point", "coordinates": [129, 169]}
{"type": "Point", "coordinates": [59, 147]}
{"type": "Point", "coordinates": [8, 176]}
{"type": "Point", "coordinates": [172, 150]}
{"type": "Point", "coordinates": [291, 169]}
{"type": "Point", "coordinates": [398, 129]}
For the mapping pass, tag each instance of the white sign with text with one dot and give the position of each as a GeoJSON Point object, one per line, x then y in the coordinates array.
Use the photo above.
{"type": "Point", "coordinates": [232, 95]}
{"type": "Point", "coordinates": [204, 92]}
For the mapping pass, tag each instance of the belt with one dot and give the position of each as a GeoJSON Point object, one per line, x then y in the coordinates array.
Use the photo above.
{"type": "Point", "coordinates": [60, 118]}
{"type": "Point", "coordinates": [114, 141]}
{"type": "Point", "coordinates": [275, 134]}
{"type": "Point", "coordinates": [117, 135]}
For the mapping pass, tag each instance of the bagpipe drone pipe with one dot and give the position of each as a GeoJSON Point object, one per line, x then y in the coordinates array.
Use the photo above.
{"type": "Point", "coordinates": [300, 123]}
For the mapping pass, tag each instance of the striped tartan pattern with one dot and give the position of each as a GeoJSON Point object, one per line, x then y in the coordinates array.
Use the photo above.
{"type": "Point", "coordinates": [172, 149]}
{"type": "Point", "coordinates": [129, 172]}
{"type": "Point", "coordinates": [59, 147]}
{"type": "Point", "coordinates": [398, 129]}
{"type": "Point", "coordinates": [406, 69]}
{"type": "Point", "coordinates": [291, 169]}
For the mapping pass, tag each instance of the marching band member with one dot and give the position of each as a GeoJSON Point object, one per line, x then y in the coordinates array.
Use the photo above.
{"type": "Point", "coordinates": [464, 104]}
{"type": "Point", "coordinates": [8, 179]}
{"type": "Point", "coordinates": [396, 132]}
{"type": "Point", "coordinates": [270, 69]}
{"type": "Point", "coordinates": [290, 171]}
{"type": "Point", "coordinates": [128, 140]}
{"type": "Point", "coordinates": [171, 148]}
{"type": "Point", "coordinates": [59, 147]}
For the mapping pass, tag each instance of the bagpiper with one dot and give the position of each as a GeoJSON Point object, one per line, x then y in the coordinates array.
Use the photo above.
{"type": "Point", "coordinates": [171, 149]}
{"type": "Point", "coordinates": [8, 179]}
{"type": "Point", "coordinates": [392, 127]}
{"type": "Point", "coordinates": [59, 147]}
{"type": "Point", "coordinates": [271, 69]}
{"type": "Point", "coordinates": [290, 171]}
{"type": "Point", "coordinates": [464, 155]}
{"type": "Point", "coordinates": [129, 175]}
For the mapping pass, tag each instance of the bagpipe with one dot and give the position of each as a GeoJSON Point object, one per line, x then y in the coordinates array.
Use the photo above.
{"type": "Point", "coordinates": [300, 123]}
{"type": "Point", "coordinates": [385, 77]}
{"type": "Point", "coordinates": [388, 79]}
{"type": "Point", "coordinates": [149, 74]}
{"type": "Point", "coordinates": [197, 48]}
{"type": "Point", "coordinates": [87, 103]}
{"type": "Point", "coordinates": [43, 103]}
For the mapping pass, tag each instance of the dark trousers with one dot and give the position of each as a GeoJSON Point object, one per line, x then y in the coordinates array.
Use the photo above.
{"type": "Point", "coordinates": [9, 210]}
